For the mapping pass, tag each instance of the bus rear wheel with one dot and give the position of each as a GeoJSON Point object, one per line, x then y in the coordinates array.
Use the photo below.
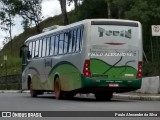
{"type": "Point", "coordinates": [57, 89]}
{"type": "Point", "coordinates": [103, 96]}
{"type": "Point", "coordinates": [32, 91]}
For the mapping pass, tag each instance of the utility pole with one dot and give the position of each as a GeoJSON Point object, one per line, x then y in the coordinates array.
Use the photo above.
{"type": "Point", "coordinates": [5, 62]}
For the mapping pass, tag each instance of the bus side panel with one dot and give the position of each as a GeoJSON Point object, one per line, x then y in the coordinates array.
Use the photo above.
{"type": "Point", "coordinates": [69, 76]}
{"type": "Point", "coordinates": [24, 80]}
{"type": "Point", "coordinates": [38, 77]}
{"type": "Point", "coordinates": [69, 71]}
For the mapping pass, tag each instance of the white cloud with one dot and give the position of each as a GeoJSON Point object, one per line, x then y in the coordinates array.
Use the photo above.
{"type": "Point", "coordinates": [17, 29]}
{"type": "Point", "coordinates": [50, 8]}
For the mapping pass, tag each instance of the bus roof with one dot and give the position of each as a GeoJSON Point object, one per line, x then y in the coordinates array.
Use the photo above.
{"type": "Point", "coordinates": [78, 23]}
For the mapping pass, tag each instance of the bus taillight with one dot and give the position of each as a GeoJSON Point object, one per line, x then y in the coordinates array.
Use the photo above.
{"type": "Point", "coordinates": [139, 74]}
{"type": "Point", "coordinates": [86, 68]}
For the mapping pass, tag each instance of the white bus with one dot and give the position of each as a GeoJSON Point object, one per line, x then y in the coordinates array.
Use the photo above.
{"type": "Point", "coordinates": [99, 56]}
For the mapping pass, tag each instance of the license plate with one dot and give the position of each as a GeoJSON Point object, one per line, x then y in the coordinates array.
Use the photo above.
{"type": "Point", "coordinates": [113, 85]}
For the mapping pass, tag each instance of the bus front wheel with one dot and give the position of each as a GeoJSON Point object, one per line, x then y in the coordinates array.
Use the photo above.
{"type": "Point", "coordinates": [57, 89]}
{"type": "Point", "coordinates": [32, 91]}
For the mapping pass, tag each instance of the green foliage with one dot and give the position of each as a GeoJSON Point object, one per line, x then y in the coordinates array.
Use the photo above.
{"type": "Point", "coordinates": [6, 16]}
{"type": "Point", "coordinates": [90, 9]}
{"type": "Point", "coordinates": [148, 13]}
{"type": "Point", "coordinates": [30, 10]}
{"type": "Point", "coordinates": [121, 6]}
{"type": "Point", "coordinates": [64, 11]}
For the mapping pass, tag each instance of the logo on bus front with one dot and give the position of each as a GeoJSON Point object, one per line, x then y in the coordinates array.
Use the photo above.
{"type": "Point", "coordinates": [122, 33]}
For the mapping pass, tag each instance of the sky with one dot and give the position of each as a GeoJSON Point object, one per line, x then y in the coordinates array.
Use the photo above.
{"type": "Point", "coordinates": [50, 8]}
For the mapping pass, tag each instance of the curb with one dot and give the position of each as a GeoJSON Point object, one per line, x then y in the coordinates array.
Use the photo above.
{"type": "Point", "coordinates": [137, 97]}
{"type": "Point", "coordinates": [13, 91]}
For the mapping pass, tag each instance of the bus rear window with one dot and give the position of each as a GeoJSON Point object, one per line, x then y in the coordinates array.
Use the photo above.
{"type": "Point", "coordinates": [117, 23]}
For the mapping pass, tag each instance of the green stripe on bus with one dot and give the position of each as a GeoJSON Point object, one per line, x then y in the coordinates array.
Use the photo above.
{"type": "Point", "coordinates": [100, 67]}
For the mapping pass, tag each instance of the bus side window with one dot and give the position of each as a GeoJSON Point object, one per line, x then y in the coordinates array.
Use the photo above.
{"type": "Point", "coordinates": [70, 41]}
{"type": "Point", "coordinates": [33, 49]}
{"type": "Point", "coordinates": [66, 42]}
{"type": "Point", "coordinates": [74, 40]}
{"type": "Point", "coordinates": [37, 48]}
{"type": "Point", "coordinates": [52, 45]}
{"type": "Point", "coordinates": [40, 48]}
{"type": "Point", "coordinates": [56, 45]}
{"type": "Point", "coordinates": [44, 47]}
{"type": "Point", "coordinates": [78, 40]}
{"type": "Point", "coordinates": [48, 46]}
{"type": "Point", "coordinates": [61, 43]}
{"type": "Point", "coordinates": [30, 50]}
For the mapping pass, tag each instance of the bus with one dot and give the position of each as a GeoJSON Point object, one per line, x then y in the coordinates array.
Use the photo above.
{"type": "Point", "coordinates": [98, 56]}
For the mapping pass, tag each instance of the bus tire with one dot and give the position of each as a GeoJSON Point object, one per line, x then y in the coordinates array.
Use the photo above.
{"type": "Point", "coordinates": [103, 96]}
{"type": "Point", "coordinates": [33, 92]}
{"type": "Point", "coordinates": [57, 89]}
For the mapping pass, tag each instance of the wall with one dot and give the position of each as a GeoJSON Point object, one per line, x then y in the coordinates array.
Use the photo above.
{"type": "Point", "coordinates": [11, 82]}
{"type": "Point", "coordinates": [150, 85]}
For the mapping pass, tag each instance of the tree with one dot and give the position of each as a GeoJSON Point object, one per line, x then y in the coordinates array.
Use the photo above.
{"type": "Point", "coordinates": [7, 19]}
{"type": "Point", "coordinates": [25, 24]}
{"type": "Point", "coordinates": [148, 13]}
{"type": "Point", "coordinates": [90, 9]}
{"type": "Point", "coordinates": [30, 11]}
{"type": "Point", "coordinates": [109, 8]}
{"type": "Point", "coordinates": [123, 6]}
{"type": "Point", "coordinates": [64, 11]}
{"type": "Point", "coordinates": [76, 3]}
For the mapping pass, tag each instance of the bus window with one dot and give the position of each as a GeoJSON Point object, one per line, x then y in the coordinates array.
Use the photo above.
{"type": "Point", "coordinates": [56, 45]}
{"type": "Point", "coordinates": [78, 39]}
{"type": "Point", "coordinates": [61, 43]}
{"type": "Point", "coordinates": [44, 47]}
{"type": "Point", "coordinates": [36, 49]}
{"type": "Point", "coordinates": [40, 48]}
{"type": "Point", "coordinates": [70, 41]}
{"type": "Point", "coordinates": [33, 50]}
{"type": "Point", "coordinates": [30, 48]}
{"type": "Point", "coordinates": [74, 40]}
{"type": "Point", "coordinates": [65, 42]}
{"type": "Point", "coordinates": [48, 46]}
{"type": "Point", "coordinates": [52, 45]}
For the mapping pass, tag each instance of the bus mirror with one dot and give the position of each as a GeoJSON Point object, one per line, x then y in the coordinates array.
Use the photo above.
{"type": "Point", "coordinates": [22, 49]}
{"type": "Point", "coordinates": [28, 54]}
{"type": "Point", "coordinates": [20, 54]}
